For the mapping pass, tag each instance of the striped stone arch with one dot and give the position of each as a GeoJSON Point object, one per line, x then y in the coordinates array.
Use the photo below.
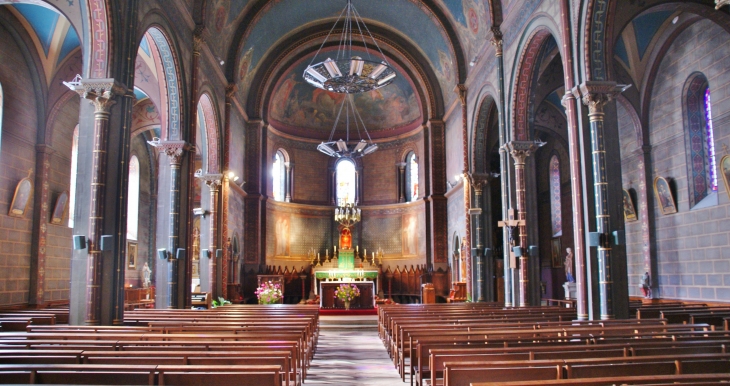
{"type": "Point", "coordinates": [167, 61]}
{"type": "Point", "coordinates": [98, 38]}
{"type": "Point", "coordinates": [209, 127]}
{"type": "Point", "coordinates": [523, 85]}
{"type": "Point", "coordinates": [479, 135]}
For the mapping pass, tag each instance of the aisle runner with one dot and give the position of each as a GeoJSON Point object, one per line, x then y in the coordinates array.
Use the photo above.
{"type": "Point", "coordinates": [351, 358]}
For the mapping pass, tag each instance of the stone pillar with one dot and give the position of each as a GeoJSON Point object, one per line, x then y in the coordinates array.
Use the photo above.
{"type": "Point", "coordinates": [254, 201]}
{"type": "Point", "coordinates": [41, 213]}
{"type": "Point", "coordinates": [496, 41]}
{"type": "Point", "coordinates": [214, 182]}
{"type": "Point", "coordinates": [595, 95]}
{"type": "Point", "coordinates": [101, 93]}
{"type": "Point", "coordinates": [436, 202]}
{"type": "Point", "coordinates": [175, 151]}
{"type": "Point", "coordinates": [646, 216]}
{"type": "Point", "coordinates": [479, 182]}
{"type": "Point", "coordinates": [520, 150]}
{"type": "Point", "coordinates": [461, 91]}
{"type": "Point", "coordinates": [576, 187]}
{"type": "Point", "coordinates": [288, 167]}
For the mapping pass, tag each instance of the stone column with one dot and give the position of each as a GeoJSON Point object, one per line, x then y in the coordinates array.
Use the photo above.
{"type": "Point", "coordinates": [520, 150]}
{"type": "Point", "coordinates": [436, 202]}
{"type": "Point", "coordinates": [503, 164]}
{"type": "Point", "coordinates": [595, 95]}
{"type": "Point", "coordinates": [175, 151]}
{"type": "Point", "coordinates": [214, 182]}
{"type": "Point", "coordinates": [41, 213]}
{"type": "Point", "coordinates": [288, 167]}
{"type": "Point", "coordinates": [401, 181]}
{"type": "Point", "coordinates": [461, 91]}
{"type": "Point", "coordinates": [254, 205]}
{"type": "Point", "coordinates": [101, 93]}
{"type": "Point", "coordinates": [479, 182]}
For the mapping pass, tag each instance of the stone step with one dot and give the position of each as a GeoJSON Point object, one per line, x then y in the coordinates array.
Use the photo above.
{"type": "Point", "coordinates": [369, 322]}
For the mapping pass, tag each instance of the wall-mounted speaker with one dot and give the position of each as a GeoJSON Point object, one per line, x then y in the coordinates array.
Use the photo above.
{"type": "Point", "coordinates": [533, 251]}
{"type": "Point", "coordinates": [206, 253]}
{"type": "Point", "coordinates": [107, 242]}
{"type": "Point", "coordinates": [79, 242]}
{"type": "Point", "coordinates": [219, 253]}
{"type": "Point", "coordinates": [162, 253]}
{"type": "Point", "coordinates": [595, 239]}
{"type": "Point", "coordinates": [488, 252]}
{"type": "Point", "coordinates": [517, 251]}
{"type": "Point", "coordinates": [180, 254]}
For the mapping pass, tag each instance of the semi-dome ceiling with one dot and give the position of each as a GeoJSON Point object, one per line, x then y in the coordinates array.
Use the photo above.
{"type": "Point", "coordinates": [300, 109]}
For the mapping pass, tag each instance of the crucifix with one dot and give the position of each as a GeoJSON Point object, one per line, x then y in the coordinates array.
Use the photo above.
{"type": "Point", "coordinates": [510, 225]}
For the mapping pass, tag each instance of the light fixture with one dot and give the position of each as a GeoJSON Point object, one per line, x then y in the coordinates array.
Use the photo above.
{"type": "Point", "coordinates": [346, 73]}
{"type": "Point", "coordinates": [347, 215]}
{"type": "Point", "coordinates": [343, 148]}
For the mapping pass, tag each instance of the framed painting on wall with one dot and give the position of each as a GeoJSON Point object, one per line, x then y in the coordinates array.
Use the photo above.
{"type": "Point", "coordinates": [131, 254]}
{"type": "Point", "coordinates": [21, 197]}
{"type": "Point", "coordinates": [555, 252]}
{"type": "Point", "coordinates": [629, 209]}
{"type": "Point", "coordinates": [59, 210]}
{"type": "Point", "coordinates": [725, 169]}
{"type": "Point", "coordinates": [664, 196]}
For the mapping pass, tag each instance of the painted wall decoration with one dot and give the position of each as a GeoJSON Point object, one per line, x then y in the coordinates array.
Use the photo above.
{"type": "Point", "coordinates": [470, 20]}
{"type": "Point", "coordinates": [281, 234]}
{"type": "Point", "coordinates": [629, 209]}
{"type": "Point", "coordinates": [296, 106]}
{"type": "Point", "coordinates": [421, 25]}
{"type": "Point", "coordinates": [410, 234]}
{"type": "Point", "coordinates": [725, 168]}
{"type": "Point", "coordinates": [664, 196]}
{"type": "Point", "coordinates": [21, 196]}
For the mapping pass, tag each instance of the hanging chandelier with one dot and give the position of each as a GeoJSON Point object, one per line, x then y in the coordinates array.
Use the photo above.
{"type": "Point", "coordinates": [348, 74]}
{"type": "Point", "coordinates": [347, 215]}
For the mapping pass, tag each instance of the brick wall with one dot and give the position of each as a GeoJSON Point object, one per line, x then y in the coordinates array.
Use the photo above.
{"type": "Point", "coordinates": [310, 176]}
{"type": "Point", "coordinates": [692, 245]}
{"type": "Point", "coordinates": [380, 178]}
{"type": "Point", "coordinates": [17, 156]}
{"type": "Point", "coordinates": [58, 241]}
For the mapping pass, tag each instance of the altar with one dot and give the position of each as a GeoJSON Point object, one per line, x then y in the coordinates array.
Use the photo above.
{"type": "Point", "coordinates": [327, 298]}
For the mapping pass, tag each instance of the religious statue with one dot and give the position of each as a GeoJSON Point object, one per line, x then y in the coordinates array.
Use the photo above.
{"type": "Point", "coordinates": [146, 273]}
{"type": "Point", "coordinates": [644, 285]}
{"type": "Point", "coordinates": [569, 266]}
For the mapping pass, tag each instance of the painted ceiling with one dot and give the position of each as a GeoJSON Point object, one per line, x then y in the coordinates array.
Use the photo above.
{"type": "Point", "coordinates": [298, 108]}
{"type": "Point", "coordinates": [54, 37]}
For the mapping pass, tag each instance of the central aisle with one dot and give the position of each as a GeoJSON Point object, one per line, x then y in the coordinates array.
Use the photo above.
{"type": "Point", "coordinates": [350, 353]}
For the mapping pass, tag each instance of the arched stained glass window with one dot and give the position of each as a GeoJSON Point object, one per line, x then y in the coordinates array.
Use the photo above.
{"type": "Point", "coordinates": [346, 178]}
{"type": "Point", "coordinates": [411, 177]}
{"type": "Point", "coordinates": [555, 206]}
{"type": "Point", "coordinates": [74, 169]}
{"type": "Point", "coordinates": [700, 143]}
{"type": "Point", "coordinates": [278, 176]}
{"type": "Point", "coordinates": [133, 199]}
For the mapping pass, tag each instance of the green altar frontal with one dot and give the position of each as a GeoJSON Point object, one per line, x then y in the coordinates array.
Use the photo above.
{"type": "Point", "coordinates": [346, 259]}
{"type": "Point", "coordinates": [350, 274]}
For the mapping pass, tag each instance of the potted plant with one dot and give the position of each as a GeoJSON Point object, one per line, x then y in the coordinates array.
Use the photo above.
{"type": "Point", "coordinates": [269, 293]}
{"type": "Point", "coordinates": [347, 293]}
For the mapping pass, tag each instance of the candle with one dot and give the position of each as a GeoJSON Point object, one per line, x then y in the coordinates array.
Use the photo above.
{"type": "Point", "coordinates": [373, 255]}
{"type": "Point", "coordinates": [366, 252]}
{"type": "Point", "coordinates": [357, 248]}
{"type": "Point", "coordinates": [335, 249]}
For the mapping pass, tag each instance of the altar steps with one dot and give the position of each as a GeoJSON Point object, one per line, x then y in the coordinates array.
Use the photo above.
{"type": "Point", "coordinates": [348, 322]}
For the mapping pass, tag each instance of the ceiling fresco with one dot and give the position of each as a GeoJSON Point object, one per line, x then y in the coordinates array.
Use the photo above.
{"type": "Point", "coordinates": [470, 19]}
{"type": "Point", "coordinates": [54, 37]}
{"type": "Point", "coordinates": [298, 108]}
{"type": "Point", "coordinates": [282, 18]}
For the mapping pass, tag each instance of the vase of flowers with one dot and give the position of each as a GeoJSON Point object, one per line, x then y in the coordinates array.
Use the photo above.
{"type": "Point", "coordinates": [347, 293]}
{"type": "Point", "coordinates": [269, 293]}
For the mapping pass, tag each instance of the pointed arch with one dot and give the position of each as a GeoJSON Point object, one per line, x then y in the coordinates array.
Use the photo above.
{"type": "Point", "coordinates": [699, 139]}
{"type": "Point", "coordinates": [207, 118]}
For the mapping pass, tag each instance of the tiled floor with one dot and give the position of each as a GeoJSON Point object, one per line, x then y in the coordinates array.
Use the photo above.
{"type": "Point", "coordinates": [351, 356]}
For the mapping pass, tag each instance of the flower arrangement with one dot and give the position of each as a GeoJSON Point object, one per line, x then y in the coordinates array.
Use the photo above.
{"type": "Point", "coordinates": [347, 292]}
{"type": "Point", "coordinates": [269, 293]}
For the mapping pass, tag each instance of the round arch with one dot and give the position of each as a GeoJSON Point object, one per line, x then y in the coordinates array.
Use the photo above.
{"type": "Point", "coordinates": [207, 117]}
{"type": "Point", "coordinates": [478, 136]}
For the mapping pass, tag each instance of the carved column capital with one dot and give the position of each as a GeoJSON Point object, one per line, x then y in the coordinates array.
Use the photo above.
{"type": "Point", "coordinates": [461, 91]}
{"type": "Point", "coordinates": [100, 92]}
{"type": "Point", "coordinates": [175, 150]}
{"type": "Point", "coordinates": [566, 99]}
{"type": "Point", "coordinates": [520, 150]}
{"type": "Point", "coordinates": [720, 3]}
{"type": "Point", "coordinates": [481, 180]}
{"type": "Point", "coordinates": [401, 165]}
{"type": "Point", "coordinates": [496, 40]}
{"type": "Point", "coordinates": [596, 94]}
{"type": "Point", "coordinates": [212, 180]}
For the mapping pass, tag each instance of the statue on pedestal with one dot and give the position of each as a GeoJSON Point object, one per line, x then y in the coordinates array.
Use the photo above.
{"type": "Point", "coordinates": [569, 266]}
{"type": "Point", "coordinates": [645, 285]}
{"type": "Point", "coordinates": [146, 273]}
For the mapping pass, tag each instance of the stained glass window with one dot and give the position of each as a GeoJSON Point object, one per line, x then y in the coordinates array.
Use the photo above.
{"type": "Point", "coordinates": [710, 141]}
{"type": "Point", "coordinates": [346, 182]}
{"type": "Point", "coordinates": [412, 177]}
{"type": "Point", "coordinates": [555, 206]}
{"type": "Point", "coordinates": [278, 176]}
{"type": "Point", "coordinates": [133, 199]}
